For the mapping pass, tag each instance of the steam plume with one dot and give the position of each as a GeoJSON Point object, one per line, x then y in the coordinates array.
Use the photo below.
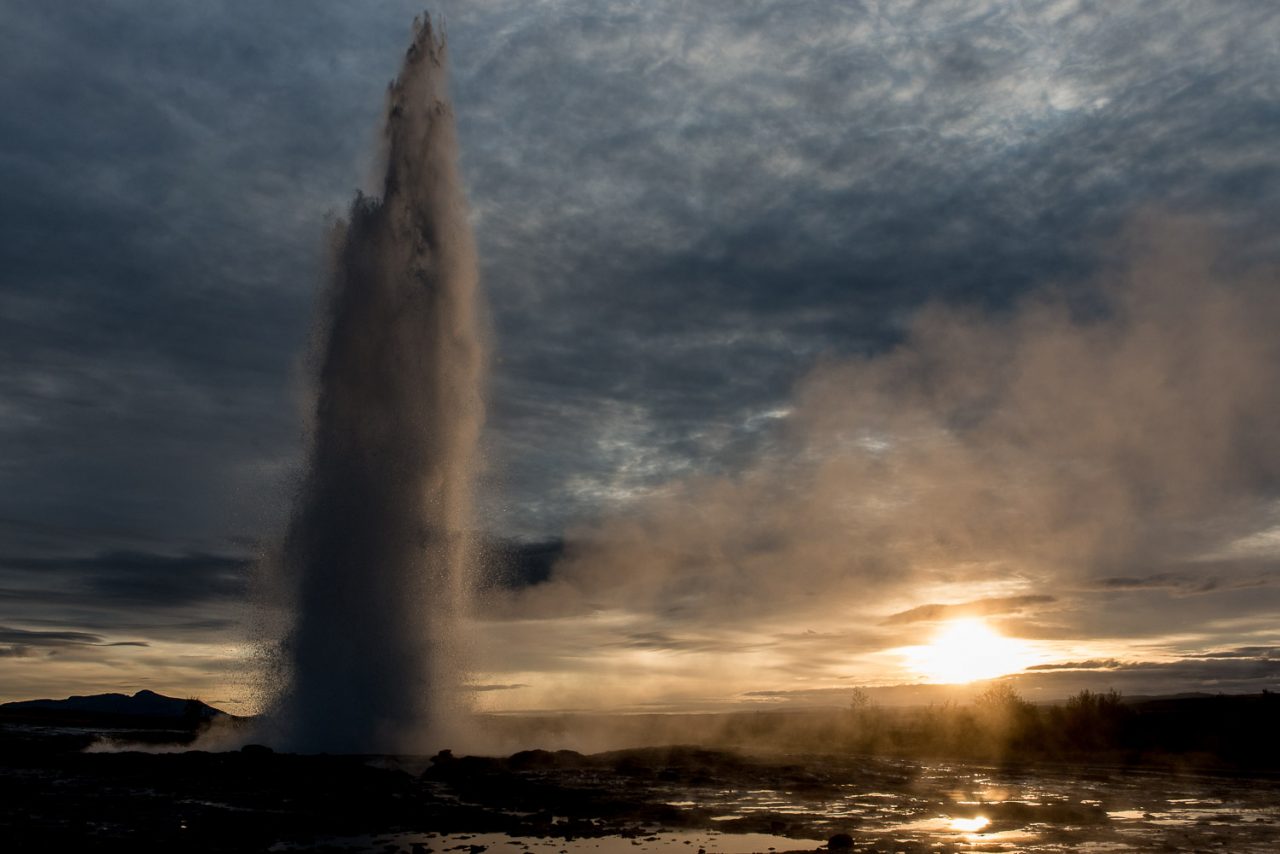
{"type": "Point", "coordinates": [1125, 431]}
{"type": "Point", "coordinates": [378, 549]}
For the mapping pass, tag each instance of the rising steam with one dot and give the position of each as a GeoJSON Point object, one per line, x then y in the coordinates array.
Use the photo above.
{"type": "Point", "coordinates": [1083, 439]}
{"type": "Point", "coordinates": [377, 554]}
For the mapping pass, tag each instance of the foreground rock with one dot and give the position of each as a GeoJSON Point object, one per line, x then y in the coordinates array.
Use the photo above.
{"type": "Point", "coordinates": [53, 797]}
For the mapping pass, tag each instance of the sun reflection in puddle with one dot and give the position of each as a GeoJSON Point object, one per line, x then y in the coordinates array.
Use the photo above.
{"type": "Point", "coordinates": [937, 808]}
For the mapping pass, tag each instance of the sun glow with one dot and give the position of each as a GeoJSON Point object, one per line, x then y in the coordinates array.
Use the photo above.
{"type": "Point", "coordinates": [970, 825]}
{"type": "Point", "coordinates": [968, 650]}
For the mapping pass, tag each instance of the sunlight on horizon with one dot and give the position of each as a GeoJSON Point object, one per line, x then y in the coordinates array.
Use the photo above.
{"type": "Point", "coordinates": [968, 650]}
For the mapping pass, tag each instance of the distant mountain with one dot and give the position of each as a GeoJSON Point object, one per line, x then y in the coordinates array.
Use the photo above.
{"type": "Point", "coordinates": [143, 707]}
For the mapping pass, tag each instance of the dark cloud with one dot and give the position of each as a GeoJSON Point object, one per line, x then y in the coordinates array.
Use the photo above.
{"type": "Point", "coordinates": [669, 642]}
{"type": "Point", "coordinates": [1253, 662]}
{"type": "Point", "coordinates": [119, 599]}
{"type": "Point", "coordinates": [766, 198]}
{"type": "Point", "coordinates": [1261, 653]}
{"type": "Point", "coordinates": [681, 209]}
{"type": "Point", "coordinates": [1213, 675]}
{"type": "Point", "coordinates": [22, 643]}
{"type": "Point", "coordinates": [1188, 584]}
{"type": "Point", "coordinates": [515, 564]}
{"type": "Point", "coordinates": [137, 578]}
{"type": "Point", "coordinates": [1107, 664]}
{"type": "Point", "coordinates": [167, 175]}
{"type": "Point", "coordinates": [22, 636]}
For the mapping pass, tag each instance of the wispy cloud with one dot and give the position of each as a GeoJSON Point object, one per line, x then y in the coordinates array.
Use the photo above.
{"type": "Point", "coordinates": [977, 608]}
{"type": "Point", "coordinates": [682, 210]}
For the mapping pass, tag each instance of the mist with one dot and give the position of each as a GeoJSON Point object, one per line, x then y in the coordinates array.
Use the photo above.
{"type": "Point", "coordinates": [1084, 438]}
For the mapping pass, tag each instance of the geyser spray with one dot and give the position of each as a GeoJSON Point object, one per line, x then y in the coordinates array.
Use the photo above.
{"type": "Point", "coordinates": [378, 554]}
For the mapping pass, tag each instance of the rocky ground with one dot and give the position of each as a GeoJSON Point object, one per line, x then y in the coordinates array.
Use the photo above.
{"type": "Point", "coordinates": [55, 797]}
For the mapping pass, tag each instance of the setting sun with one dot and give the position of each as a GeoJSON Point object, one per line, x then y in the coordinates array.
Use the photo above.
{"type": "Point", "coordinates": [969, 825]}
{"type": "Point", "coordinates": [967, 650]}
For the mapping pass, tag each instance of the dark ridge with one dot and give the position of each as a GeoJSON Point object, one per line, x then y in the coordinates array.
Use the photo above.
{"type": "Point", "coordinates": [143, 709]}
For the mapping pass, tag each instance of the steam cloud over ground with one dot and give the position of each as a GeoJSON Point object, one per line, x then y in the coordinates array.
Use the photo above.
{"type": "Point", "coordinates": [1125, 431]}
{"type": "Point", "coordinates": [1011, 463]}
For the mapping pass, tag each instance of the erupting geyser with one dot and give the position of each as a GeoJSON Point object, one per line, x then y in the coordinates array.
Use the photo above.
{"type": "Point", "coordinates": [377, 553]}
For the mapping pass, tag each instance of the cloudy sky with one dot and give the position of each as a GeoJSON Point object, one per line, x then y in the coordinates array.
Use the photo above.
{"type": "Point", "coordinates": [817, 327]}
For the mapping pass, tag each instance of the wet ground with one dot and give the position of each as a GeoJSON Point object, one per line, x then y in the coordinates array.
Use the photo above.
{"type": "Point", "coordinates": [53, 797]}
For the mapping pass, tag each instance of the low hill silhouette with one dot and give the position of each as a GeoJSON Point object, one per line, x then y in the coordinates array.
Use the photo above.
{"type": "Point", "coordinates": [145, 709]}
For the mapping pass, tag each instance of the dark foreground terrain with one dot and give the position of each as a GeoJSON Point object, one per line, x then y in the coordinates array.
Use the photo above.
{"type": "Point", "coordinates": [56, 797]}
